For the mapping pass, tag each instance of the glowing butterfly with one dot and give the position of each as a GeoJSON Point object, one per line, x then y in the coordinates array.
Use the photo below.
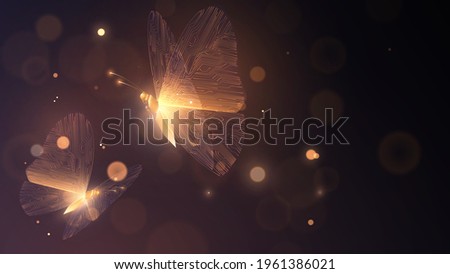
{"type": "Point", "coordinates": [198, 73]}
{"type": "Point", "coordinates": [59, 178]}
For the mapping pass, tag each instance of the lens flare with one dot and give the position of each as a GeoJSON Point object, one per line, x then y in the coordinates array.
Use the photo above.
{"type": "Point", "coordinates": [311, 155]}
{"type": "Point", "coordinates": [49, 28]}
{"type": "Point", "coordinates": [117, 171]}
{"type": "Point", "coordinates": [257, 74]}
{"type": "Point", "coordinates": [63, 142]}
{"type": "Point", "coordinates": [101, 32]}
{"type": "Point", "coordinates": [257, 174]}
{"type": "Point", "coordinates": [36, 150]}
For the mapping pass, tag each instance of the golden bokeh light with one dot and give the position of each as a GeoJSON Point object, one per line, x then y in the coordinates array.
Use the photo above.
{"type": "Point", "coordinates": [257, 174]}
{"type": "Point", "coordinates": [48, 28]}
{"type": "Point", "coordinates": [63, 142]}
{"type": "Point", "coordinates": [310, 222]}
{"type": "Point", "coordinates": [55, 75]}
{"type": "Point", "coordinates": [311, 154]}
{"type": "Point", "coordinates": [101, 32]}
{"type": "Point", "coordinates": [208, 193]}
{"type": "Point", "coordinates": [257, 74]}
{"type": "Point", "coordinates": [36, 150]}
{"type": "Point", "coordinates": [117, 171]}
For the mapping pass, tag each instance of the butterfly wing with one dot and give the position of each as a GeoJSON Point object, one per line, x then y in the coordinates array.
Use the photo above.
{"type": "Point", "coordinates": [202, 73]}
{"type": "Point", "coordinates": [98, 200]}
{"type": "Point", "coordinates": [37, 200]}
{"type": "Point", "coordinates": [161, 44]}
{"type": "Point", "coordinates": [217, 158]}
{"type": "Point", "coordinates": [59, 177]}
{"type": "Point", "coordinates": [65, 169]}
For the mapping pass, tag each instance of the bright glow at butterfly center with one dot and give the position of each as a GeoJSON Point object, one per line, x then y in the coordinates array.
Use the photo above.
{"type": "Point", "coordinates": [82, 200]}
{"type": "Point", "coordinates": [150, 102]}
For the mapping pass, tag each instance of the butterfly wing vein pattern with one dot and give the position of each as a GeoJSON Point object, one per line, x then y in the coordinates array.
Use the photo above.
{"type": "Point", "coordinates": [201, 75]}
{"type": "Point", "coordinates": [97, 200]}
{"type": "Point", "coordinates": [59, 178]}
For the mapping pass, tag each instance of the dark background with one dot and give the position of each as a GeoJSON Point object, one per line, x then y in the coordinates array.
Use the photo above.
{"type": "Point", "coordinates": [385, 63]}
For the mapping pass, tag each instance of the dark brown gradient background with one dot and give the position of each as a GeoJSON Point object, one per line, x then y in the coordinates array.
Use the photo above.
{"type": "Point", "coordinates": [384, 64]}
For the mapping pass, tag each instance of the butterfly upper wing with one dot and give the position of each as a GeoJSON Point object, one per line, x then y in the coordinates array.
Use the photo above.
{"type": "Point", "coordinates": [58, 177]}
{"type": "Point", "coordinates": [217, 158]}
{"type": "Point", "coordinates": [202, 72]}
{"type": "Point", "coordinates": [103, 196]}
{"type": "Point", "coordinates": [69, 169]}
{"type": "Point", "coordinates": [37, 200]}
{"type": "Point", "coordinates": [202, 75]}
{"type": "Point", "coordinates": [161, 43]}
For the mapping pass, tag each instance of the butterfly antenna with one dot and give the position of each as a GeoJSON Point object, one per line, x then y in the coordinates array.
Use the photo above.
{"type": "Point", "coordinates": [125, 81]}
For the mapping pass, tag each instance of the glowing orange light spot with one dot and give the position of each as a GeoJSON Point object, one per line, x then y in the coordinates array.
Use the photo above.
{"type": "Point", "coordinates": [310, 222]}
{"type": "Point", "coordinates": [257, 74]}
{"type": "Point", "coordinates": [311, 154]}
{"type": "Point", "coordinates": [55, 75]}
{"type": "Point", "coordinates": [101, 32]}
{"type": "Point", "coordinates": [257, 174]}
{"type": "Point", "coordinates": [63, 142]}
{"type": "Point", "coordinates": [117, 171]}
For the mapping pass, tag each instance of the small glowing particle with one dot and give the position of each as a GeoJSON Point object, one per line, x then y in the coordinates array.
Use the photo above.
{"type": "Point", "coordinates": [389, 49]}
{"type": "Point", "coordinates": [257, 174]}
{"type": "Point", "coordinates": [49, 234]}
{"type": "Point", "coordinates": [319, 192]}
{"type": "Point", "coordinates": [310, 222]}
{"type": "Point", "coordinates": [57, 97]}
{"type": "Point", "coordinates": [190, 102]}
{"type": "Point", "coordinates": [54, 101]}
{"type": "Point", "coordinates": [38, 222]}
{"type": "Point", "coordinates": [95, 87]}
{"type": "Point", "coordinates": [101, 32]}
{"type": "Point", "coordinates": [55, 75]}
{"type": "Point", "coordinates": [103, 147]}
{"type": "Point", "coordinates": [311, 154]}
{"type": "Point", "coordinates": [63, 142]}
{"type": "Point", "coordinates": [24, 163]}
{"type": "Point", "coordinates": [287, 53]}
{"type": "Point", "coordinates": [36, 150]}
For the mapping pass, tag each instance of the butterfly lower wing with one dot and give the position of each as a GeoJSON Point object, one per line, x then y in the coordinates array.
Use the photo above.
{"type": "Point", "coordinates": [38, 200]}
{"type": "Point", "coordinates": [65, 169]}
{"type": "Point", "coordinates": [161, 42]}
{"type": "Point", "coordinates": [163, 123]}
{"type": "Point", "coordinates": [205, 56]}
{"type": "Point", "coordinates": [218, 158]}
{"type": "Point", "coordinates": [97, 201]}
